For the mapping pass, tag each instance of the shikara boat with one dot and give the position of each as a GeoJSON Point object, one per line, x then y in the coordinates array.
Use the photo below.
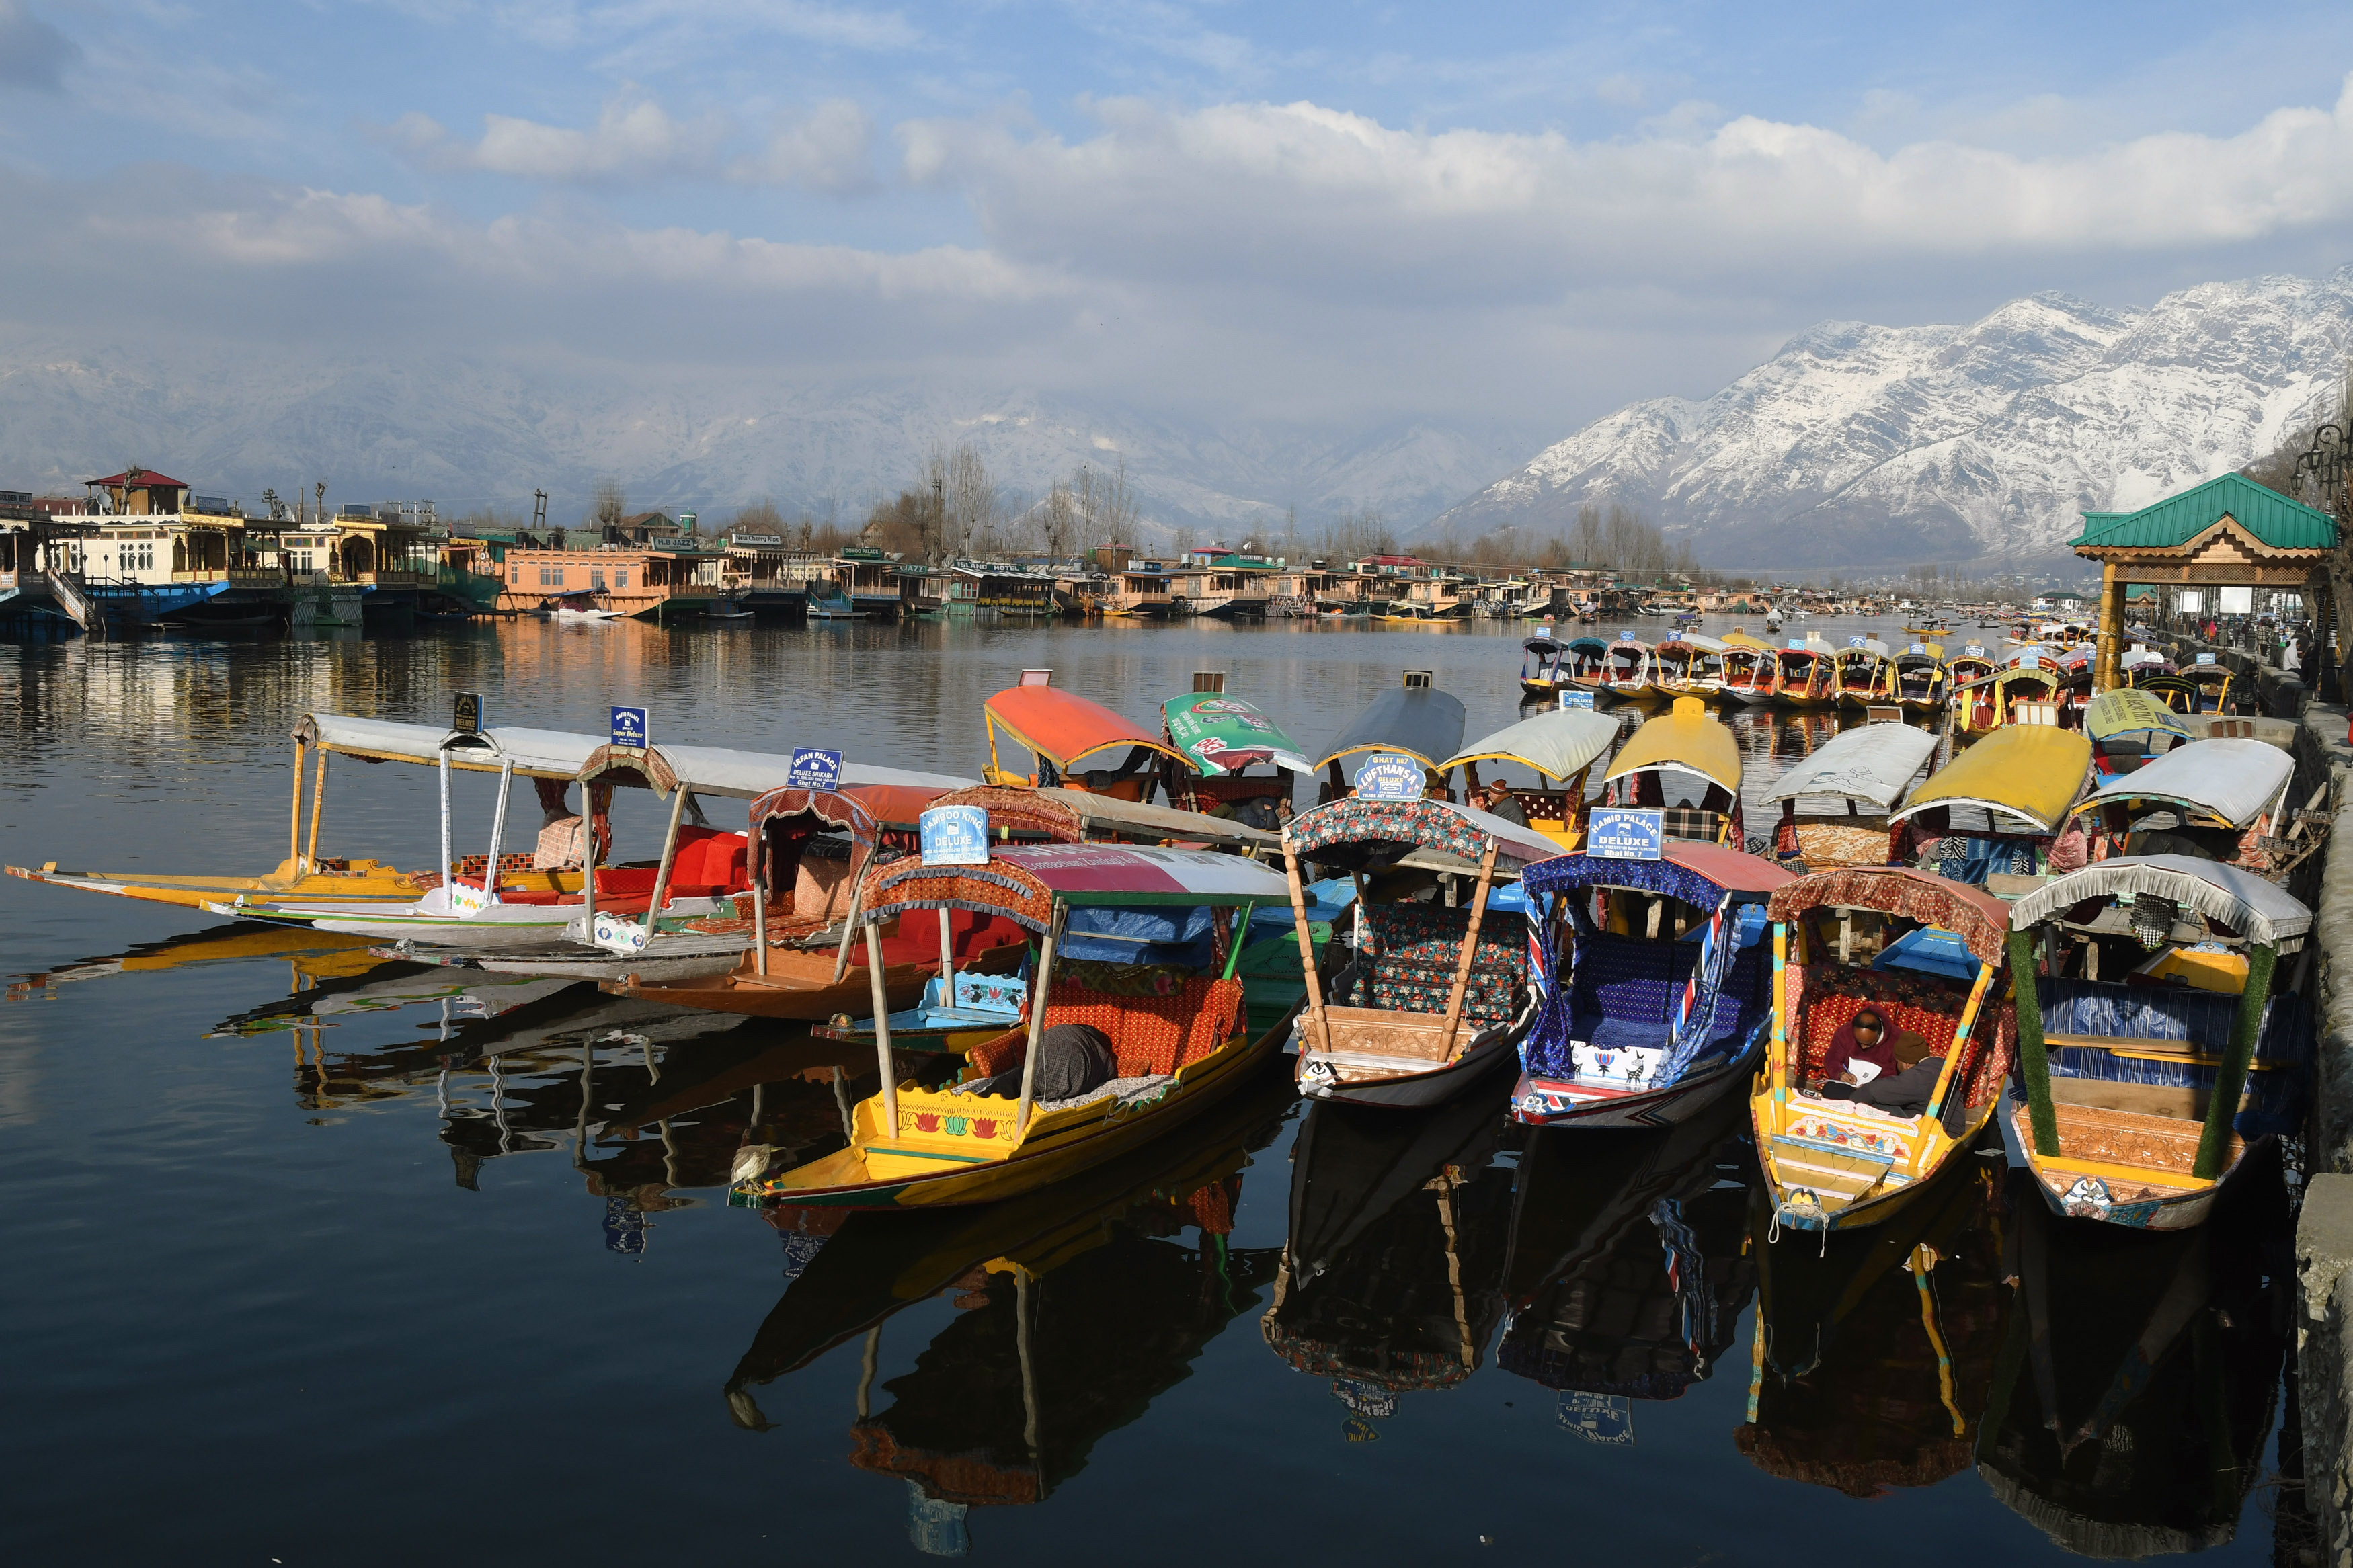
{"type": "Point", "coordinates": [1752, 673]}
{"type": "Point", "coordinates": [1561, 747]}
{"type": "Point", "coordinates": [1993, 701]}
{"type": "Point", "coordinates": [1661, 1001]}
{"type": "Point", "coordinates": [1689, 665]}
{"type": "Point", "coordinates": [1543, 674]}
{"type": "Point", "coordinates": [2127, 728]}
{"type": "Point", "coordinates": [1629, 672]}
{"type": "Point", "coordinates": [1415, 720]}
{"type": "Point", "coordinates": [1806, 676]}
{"type": "Point", "coordinates": [1866, 674]}
{"type": "Point", "coordinates": [2203, 686]}
{"type": "Point", "coordinates": [1865, 772]}
{"type": "Point", "coordinates": [1222, 739]}
{"type": "Point", "coordinates": [2021, 783]}
{"type": "Point", "coordinates": [2137, 662]}
{"type": "Point", "coordinates": [2158, 1094]}
{"type": "Point", "coordinates": [1837, 1164]}
{"type": "Point", "coordinates": [544, 755]}
{"type": "Point", "coordinates": [1062, 731]}
{"type": "Point", "coordinates": [1974, 662]}
{"type": "Point", "coordinates": [1920, 679]}
{"type": "Point", "coordinates": [2218, 800]}
{"type": "Point", "coordinates": [1685, 762]}
{"type": "Point", "coordinates": [1179, 1049]}
{"type": "Point", "coordinates": [1438, 994]}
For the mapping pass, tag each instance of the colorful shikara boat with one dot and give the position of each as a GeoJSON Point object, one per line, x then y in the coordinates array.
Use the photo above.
{"type": "Point", "coordinates": [1866, 772]}
{"type": "Point", "coordinates": [1543, 674]}
{"type": "Point", "coordinates": [1752, 673]}
{"type": "Point", "coordinates": [1992, 702]}
{"type": "Point", "coordinates": [1061, 731]}
{"type": "Point", "coordinates": [1438, 994]}
{"type": "Point", "coordinates": [1222, 739]}
{"type": "Point", "coordinates": [2215, 799]}
{"type": "Point", "coordinates": [1178, 1050]}
{"type": "Point", "coordinates": [2203, 686]}
{"type": "Point", "coordinates": [1920, 680]}
{"type": "Point", "coordinates": [1415, 720]}
{"type": "Point", "coordinates": [2137, 662]}
{"type": "Point", "coordinates": [2129, 727]}
{"type": "Point", "coordinates": [1866, 674]}
{"type": "Point", "coordinates": [1974, 662]}
{"type": "Point", "coordinates": [1837, 1164]}
{"type": "Point", "coordinates": [2021, 783]}
{"type": "Point", "coordinates": [1686, 761]}
{"type": "Point", "coordinates": [2158, 1096]}
{"type": "Point", "coordinates": [1559, 747]}
{"type": "Point", "coordinates": [305, 874]}
{"type": "Point", "coordinates": [1629, 671]}
{"type": "Point", "coordinates": [1688, 666]}
{"type": "Point", "coordinates": [1662, 1001]}
{"type": "Point", "coordinates": [1806, 676]}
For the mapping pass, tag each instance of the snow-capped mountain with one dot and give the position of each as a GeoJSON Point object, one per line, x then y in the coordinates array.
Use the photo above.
{"type": "Point", "coordinates": [471, 435]}
{"type": "Point", "coordinates": [1874, 447]}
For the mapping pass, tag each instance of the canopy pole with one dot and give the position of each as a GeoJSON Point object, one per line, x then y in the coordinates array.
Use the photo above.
{"type": "Point", "coordinates": [588, 863]}
{"type": "Point", "coordinates": [318, 804]}
{"type": "Point", "coordinates": [1315, 1013]}
{"type": "Point", "coordinates": [2214, 1144]}
{"type": "Point", "coordinates": [1469, 951]}
{"type": "Point", "coordinates": [2033, 1056]}
{"type": "Point", "coordinates": [850, 921]}
{"type": "Point", "coordinates": [448, 870]}
{"type": "Point", "coordinates": [497, 833]}
{"type": "Point", "coordinates": [759, 899]}
{"type": "Point", "coordinates": [1960, 1038]}
{"type": "Point", "coordinates": [1037, 1018]}
{"type": "Point", "coordinates": [947, 959]}
{"type": "Point", "coordinates": [1240, 935]}
{"type": "Point", "coordinates": [294, 828]}
{"type": "Point", "coordinates": [1780, 1018]}
{"type": "Point", "coordinates": [882, 995]}
{"type": "Point", "coordinates": [669, 858]}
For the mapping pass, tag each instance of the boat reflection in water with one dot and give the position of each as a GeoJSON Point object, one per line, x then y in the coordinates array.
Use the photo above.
{"type": "Point", "coordinates": [1875, 1348]}
{"type": "Point", "coordinates": [313, 957]}
{"type": "Point", "coordinates": [1392, 1278]}
{"type": "Point", "coordinates": [1627, 1273]}
{"type": "Point", "coordinates": [1078, 1304]}
{"type": "Point", "coordinates": [2140, 1379]}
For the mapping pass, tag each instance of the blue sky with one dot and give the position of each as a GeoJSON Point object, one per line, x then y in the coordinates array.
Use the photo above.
{"type": "Point", "coordinates": [1330, 212]}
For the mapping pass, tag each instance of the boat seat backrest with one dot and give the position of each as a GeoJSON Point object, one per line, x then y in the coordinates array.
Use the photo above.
{"type": "Point", "coordinates": [821, 888]}
{"type": "Point", "coordinates": [1691, 823]}
{"type": "Point", "coordinates": [1149, 1035]}
{"type": "Point", "coordinates": [707, 862]}
{"type": "Point", "coordinates": [1629, 979]}
{"type": "Point", "coordinates": [2166, 1014]}
{"type": "Point", "coordinates": [1416, 950]}
{"type": "Point", "coordinates": [1835, 992]}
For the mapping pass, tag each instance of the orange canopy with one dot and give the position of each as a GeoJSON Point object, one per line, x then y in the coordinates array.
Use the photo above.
{"type": "Point", "coordinates": [1063, 727]}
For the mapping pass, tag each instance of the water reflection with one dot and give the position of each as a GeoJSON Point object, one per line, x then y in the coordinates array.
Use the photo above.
{"type": "Point", "coordinates": [1392, 1279]}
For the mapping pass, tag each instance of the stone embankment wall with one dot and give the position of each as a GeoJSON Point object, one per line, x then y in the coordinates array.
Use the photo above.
{"type": "Point", "coordinates": [2324, 1240]}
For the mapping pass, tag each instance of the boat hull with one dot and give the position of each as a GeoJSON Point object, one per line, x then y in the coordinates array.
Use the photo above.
{"type": "Point", "coordinates": [1790, 1188]}
{"type": "Point", "coordinates": [368, 881]}
{"type": "Point", "coordinates": [799, 984]}
{"type": "Point", "coordinates": [1411, 1091]}
{"type": "Point", "coordinates": [2175, 1211]}
{"type": "Point", "coordinates": [1555, 1102]}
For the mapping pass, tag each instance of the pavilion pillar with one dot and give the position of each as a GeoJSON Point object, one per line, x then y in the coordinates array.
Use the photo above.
{"type": "Point", "coordinates": [2110, 674]}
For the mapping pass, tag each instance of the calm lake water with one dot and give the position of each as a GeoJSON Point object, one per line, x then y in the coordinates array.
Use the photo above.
{"type": "Point", "coordinates": [321, 1260]}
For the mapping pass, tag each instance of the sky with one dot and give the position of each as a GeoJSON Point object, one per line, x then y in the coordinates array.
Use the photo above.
{"type": "Point", "coordinates": [1327, 214]}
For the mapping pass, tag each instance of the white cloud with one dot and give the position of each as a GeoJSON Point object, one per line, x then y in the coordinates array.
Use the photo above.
{"type": "Point", "coordinates": [633, 139]}
{"type": "Point", "coordinates": [832, 148]}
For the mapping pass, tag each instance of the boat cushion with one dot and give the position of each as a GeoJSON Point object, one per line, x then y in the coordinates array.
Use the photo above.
{"type": "Point", "coordinates": [1149, 1035]}
{"type": "Point", "coordinates": [1623, 990]}
{"type": "Point", "coordinates": [1692, 823]}
{"type": "Point", "coordinates": [1416, 950]}
{"type": "Point", "coordinates": [2167, 1013]}
{"type": "Point", "coordinates": [707, 863]}
{"type": "Point", "coordinates": [1833, 994]}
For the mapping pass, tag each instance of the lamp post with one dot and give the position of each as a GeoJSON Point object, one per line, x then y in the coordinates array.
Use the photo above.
{"type": "Point", "coordinates": [2320, 475]}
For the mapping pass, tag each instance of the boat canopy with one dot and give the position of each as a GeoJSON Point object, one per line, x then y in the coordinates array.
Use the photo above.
{"type": "Point", "coordinates": [745, 775]}
{"type": "Point", "coordinates": [1099, 813]}
{"type": "Point", "coordinates": [2129, 711]}
{"type": "Point", "coordinates": [1359, 835]}
{"type": "Point", "coordinates": [865, 810]}
{"type": "Point", "coordinates": [1588, 645]}
{"type": "Point", "coordinates": [1874, 764]}
{"type": "Point", "coordinates": [1976, 916]}
{"type": "Point", "coordinates": [1220, 734]}
{"type": "Point", "coordinates": [1687, 739]}
{"type": "Point", "coordinates": [2264, 913]}
{"type": "Point", "coordinates": [537, 753]}
{"type": "Point", "coordinates": [2232, 779]}
{"type": "Point", "coordinates": [1738, 638]}
{"type": "Point", "coordinates": [2140, 657]}
{"type": "Point", "coordinates": [1422, 722]}
{"type": "Point", "coordinates": [1703, 875]}
{"type": "Point", "coordinates": [1064, 728]}
{"type": "Point", "coordinates": [2031, 771]}
{"type": "Point", "coordinates": [1559, 744]}
{"type": "Point", "coordinates": [1694, 639]}
{"type": "Point", "coordinates": [1908, 660]}
{"type": "Point", "coordinates": [1543, 645]}
{"type": "Point", "coordinates": [1024, 883]}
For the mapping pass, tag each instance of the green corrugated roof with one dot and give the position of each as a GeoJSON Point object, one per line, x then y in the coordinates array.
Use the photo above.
{"type": "Point", "coordinates": [2271, 517]}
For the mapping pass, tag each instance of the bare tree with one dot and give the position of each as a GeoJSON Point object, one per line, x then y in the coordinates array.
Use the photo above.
{"type": "Point", "coordinates": [612, 503]}
{"type": "Point", "coordinates": [973, 502]}
{"type": "Point", "coordinates": [760, 517]}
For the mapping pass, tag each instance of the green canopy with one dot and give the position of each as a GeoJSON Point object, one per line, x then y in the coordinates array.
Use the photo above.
{"type": "Point", "coordinates": [1221, 734]}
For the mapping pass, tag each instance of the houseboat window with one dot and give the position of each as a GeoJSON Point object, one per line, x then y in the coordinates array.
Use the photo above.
{"type": "Point", "coordinates": [621, 580]}
{"type": "Point", "coordinates": [597, 581]}
{"type": "Point", "coordinates": [514, 574]}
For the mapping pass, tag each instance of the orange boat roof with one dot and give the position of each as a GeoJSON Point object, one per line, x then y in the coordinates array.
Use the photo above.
{"type": "Point", "coordinates": [1062, 726]}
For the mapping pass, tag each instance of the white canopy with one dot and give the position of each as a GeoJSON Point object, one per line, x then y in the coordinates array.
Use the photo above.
{"type": "Point", "coordinates": [1100, 812]}
{"type": "Point", "coordinates": [2263, 913]}
{"type": "Point", "coordinates": [1874, 763]}
{"type": "Point", "coordinates": [2234, 779]}
{"type": "Point", "coordinates": [1560, 745]}
{"type": "Point", "coordinates": [538, 754]}
{"type": "Point", "coordinates": [745, 775]}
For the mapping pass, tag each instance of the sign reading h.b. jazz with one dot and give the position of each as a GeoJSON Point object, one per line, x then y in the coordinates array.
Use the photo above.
{"type": "Point", "coordinates": [812, 769]}
{"type": "Point", "coordinates": [954, 835]}
{"type": "Point", "coordinates": [1617, 834]}
{"type": "Point", "coordinates": [1386, 776]}
{"type": "Point", "coordinates": [629, 727]}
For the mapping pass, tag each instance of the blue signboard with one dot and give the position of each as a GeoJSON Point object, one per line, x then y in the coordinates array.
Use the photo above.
{"type": "Point", "coordinates": [1973, 650]}
{"type": "Point", "coordinates": [1386, 776]}
{"type": "Point", "coordinates": [2205, 659]}
{"type": "Point", "coordinates": [1917, 647]}
{"type": "Point", "coordinates": [954, 835]}
{"type": "Point", "coordinates": [1604, 1419]}
{"type": "Point", "coordinates": [1616, 834]}
{"type": "Point", "coordinates": [1577, 699]}
{"type": "Point", "coordinates": [629, 727]}
{"type": "Point", "coordinates": [1626, 637]}
{"type": "Point", "coordinates": [1856, 642]}
{"type": "Point", "coordinates": [812, 769]}
{"type": "Point", "coordinates": [1796, 644]}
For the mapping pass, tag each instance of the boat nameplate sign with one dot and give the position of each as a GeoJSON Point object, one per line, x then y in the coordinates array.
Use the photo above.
{"type": "Point", "coordinates": [466, 712]}
{"type": "Point", "coordinates": [1857, 642]}
{"type": "Point", "coordinates": [1604, 1419]}
{"type": "Point", "coordinates": [1387, 776]}
{"type": "Point", "coordinates": [2205, 659]}
{"type": "Point", "coordinates": [1973, 650]}
{"type": "Point", "coordinates": [1796, 644]}
{"type": "Point", "coordinates": [1917, 647]}
{"type": "Point", "coordinates": [954, 835]}
{"type": "Point", "coordinates": [813, 769]}
{"type": "Point", "coordinates": [1616, 833]}
{"type": "Point", "coordinates": [631, 727]}
{"type": "Point", "coordinates": [1577, 699]}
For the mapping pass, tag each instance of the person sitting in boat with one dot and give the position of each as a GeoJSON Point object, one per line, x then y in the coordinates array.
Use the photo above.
{"type": "Point", "coordinates": [1498, 800]}
{"type": "Point", "coordinates": [1861, 1049]}
{"type": "Point", "coordinates": [1904, 1091]}
{"type": "Point", "coordinates": [1072, 1059]}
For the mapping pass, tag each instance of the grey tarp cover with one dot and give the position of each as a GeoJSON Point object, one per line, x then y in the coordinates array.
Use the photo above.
{"type": "Point", "coordinates": [1874, 763]}
{"type": "Point", "coordinates": [2265, 914]}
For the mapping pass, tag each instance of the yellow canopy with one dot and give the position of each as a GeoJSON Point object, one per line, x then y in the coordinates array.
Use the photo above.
{"type": "Point", "coordinates": [2033, 771]}
{"type": "Point", "coordinates": [1687, 738]}
{"type": "Point", "coordinates": [1739, 639]}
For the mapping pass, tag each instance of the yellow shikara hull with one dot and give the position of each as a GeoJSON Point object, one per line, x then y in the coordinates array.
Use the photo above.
{"type": "Point", "coordinates": [364, 880]}
{"type": "Point", "coordinates": [926, 1172]}
{"type": "Point", "coordinates": [1829, 1169]}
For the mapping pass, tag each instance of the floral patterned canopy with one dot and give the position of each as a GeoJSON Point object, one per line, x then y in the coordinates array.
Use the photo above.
{"type": "Point", "coordinates": [1356, 833]}
{"type": "Point", "coordinates": [1976, 916]}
